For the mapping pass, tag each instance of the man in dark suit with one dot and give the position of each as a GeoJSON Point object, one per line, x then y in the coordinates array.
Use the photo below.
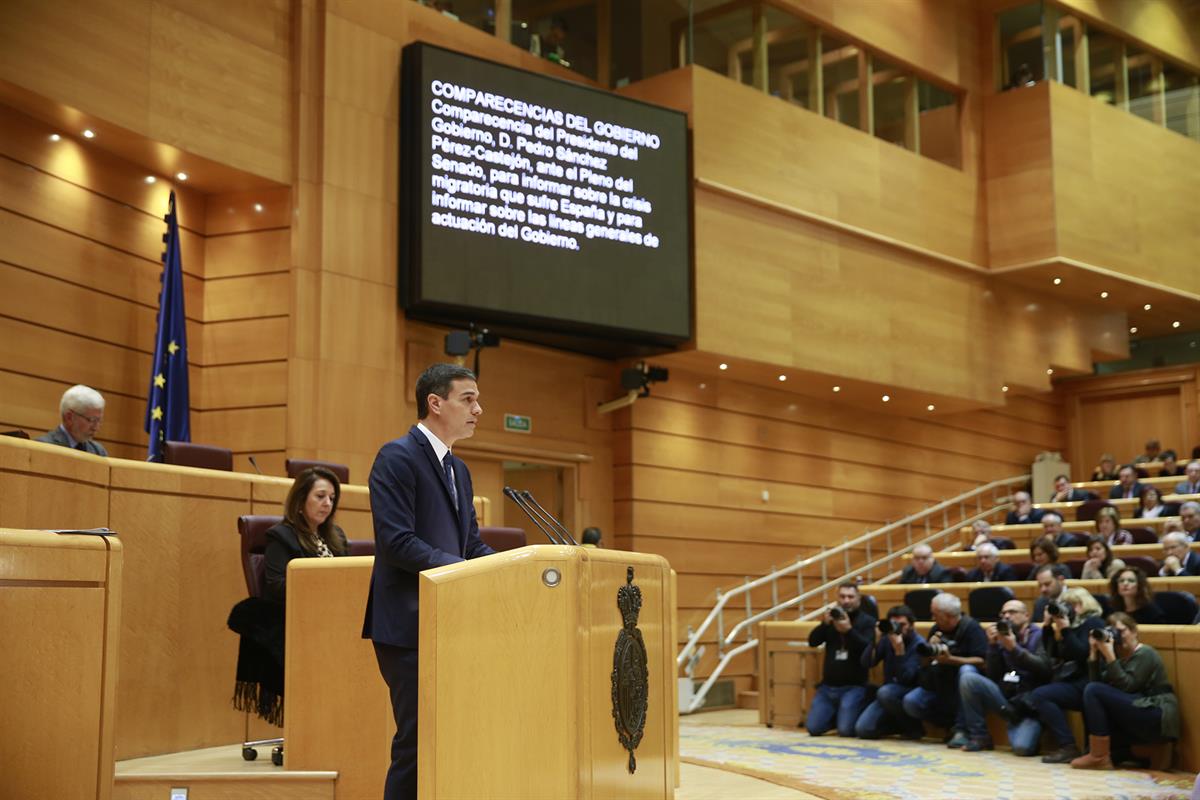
{"type": "Point", "coordinates": [990, 568]}
{"type": "Point", "coordinates": [924, 568]}
{"type": "Point", "coordinates": [82, 411]}
{"type": "Point", "coordinates": [421, 503]}
{"type": "Point", "coordinates": [1127, 484]}
{"type": "Point", "coordinates": [1178, 557]}
{"type": "Point", "coordinates": [1192, 484]}
{"type": "Point", "coordinates": [1065, 493]}
{"type": "Point", "coordinates": [1024, 512]}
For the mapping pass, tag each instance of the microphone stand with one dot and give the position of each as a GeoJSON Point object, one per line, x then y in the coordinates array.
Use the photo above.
{"type": "Point", "coordinates": [516, 498]}
{"type": "Point", "coordinates": [562, 530]}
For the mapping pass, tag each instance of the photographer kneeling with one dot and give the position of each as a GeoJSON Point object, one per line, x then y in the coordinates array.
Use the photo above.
{"type": "Point", "coordinates": [955, 641]}
{"type": "Point", "coordinates": [1129, 695]}
{"type": "Point", "coordinates": [897, 650]}
{"type": "Point", "coordinates": [847, 632]}
{"type": "Point", "coordinates": [1015, 665]}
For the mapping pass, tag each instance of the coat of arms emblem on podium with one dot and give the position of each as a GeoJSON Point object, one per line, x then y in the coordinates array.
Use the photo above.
{"type": "Point", "coordinates": [630, 674]}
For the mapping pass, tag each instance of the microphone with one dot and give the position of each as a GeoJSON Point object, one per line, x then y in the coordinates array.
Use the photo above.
{"type": "Point", "coordinates": [562, 530]}
{"type": "Point", "coordinates": [516, 498]}
{"type": "Point", "coordinates": [254, 464]}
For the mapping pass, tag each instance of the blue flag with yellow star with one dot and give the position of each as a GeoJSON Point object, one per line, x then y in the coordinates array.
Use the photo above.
{"type": "Point", "coordinates": [167, 406]}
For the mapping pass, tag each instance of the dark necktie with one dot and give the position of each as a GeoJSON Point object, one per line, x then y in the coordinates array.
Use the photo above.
{"type": "Point", "coordinates": [450, 478]}
{"type": "Point", "coordinates": [80, 446]}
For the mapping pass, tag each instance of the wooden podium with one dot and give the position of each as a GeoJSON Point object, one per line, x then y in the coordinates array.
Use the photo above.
{"type": "Point", "coordinates": [516, 664]}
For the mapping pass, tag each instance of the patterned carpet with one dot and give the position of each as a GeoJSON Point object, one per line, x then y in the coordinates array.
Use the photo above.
{"type": "Point", "coordinates": [850, 769]}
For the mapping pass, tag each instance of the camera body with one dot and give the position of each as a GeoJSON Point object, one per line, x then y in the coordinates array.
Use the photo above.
{"type": "Point", "coordinates": [886, 627]}
{"type": "Point", "coordinates": [1106, 634]}
{"type": "Point", "coordinates": [932, 649]}
{"type": "Point", "coordinates": [1003, 628]}
{"type": "Point", "coordinates": [837, 613]}
{"type": "Point", "coordinates": [1056, 609]}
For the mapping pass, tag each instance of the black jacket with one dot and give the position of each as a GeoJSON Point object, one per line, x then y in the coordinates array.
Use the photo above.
{"type": "Point", "coordinates": [937, 574]}
{"type": "Point", "coordinates": [1069, 652]}
{"type": "Point", "coordinates": [283, 545]}
{"type": "Point", "coordinates": [1002, 573]}
{"type": "Point", "coordinates": [844, 651]}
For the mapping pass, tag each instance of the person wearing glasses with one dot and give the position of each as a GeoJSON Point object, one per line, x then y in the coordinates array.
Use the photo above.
{"type": "Point", "coordinates": [1131, 594]}
{"type": "Point", "coordinates": [82, 411]}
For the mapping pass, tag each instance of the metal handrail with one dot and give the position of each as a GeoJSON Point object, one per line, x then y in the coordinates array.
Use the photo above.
{"type": "Point", "coordinates": [824, 555]}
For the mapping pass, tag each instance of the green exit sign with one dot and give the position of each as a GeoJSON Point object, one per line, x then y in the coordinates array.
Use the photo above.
{"type": "Point", "coordinates": [518, 423]}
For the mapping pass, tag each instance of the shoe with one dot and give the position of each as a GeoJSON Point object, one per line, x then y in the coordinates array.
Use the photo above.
{"type": "Point", "coordinates": [1063, 755]}
{"type": "Point", "coordinates": [1009, 714]}
{"type": "Point", "coordinates": [958, 740]}
{"type": "Point", "coordinates": [1097, 756]}
{"type": "Point", "coordinates": [975, 745]}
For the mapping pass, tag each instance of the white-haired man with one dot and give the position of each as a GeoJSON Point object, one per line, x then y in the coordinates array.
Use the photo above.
{"type": "Point", "coordinates": [989, 568]}
{"type": "Point", "coordinates": [1192, 484]}
{"type": "Point", "coordinates": [82, 411]}
{"type": "Point", "coordinates": [1178, 557]}
{"type": "Point", "coordinates": [1189, 517]}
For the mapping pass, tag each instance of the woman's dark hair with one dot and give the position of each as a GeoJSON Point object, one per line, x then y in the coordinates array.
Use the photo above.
{"type": "Point", "coordinates": [293, 511]}
{"type": "Point", "coordinates": [438, 379]}
{"type": "Point", "coordinates": [1145, 595]}
{"type": "Point", "coordinates": [1105, 562]}
{"type": "Point", "coordinates": [1123, 618]}
{"type": "Point", "coordinates": [1047, 546]}
{"type": "Point", "coordinates": [1147, 490]}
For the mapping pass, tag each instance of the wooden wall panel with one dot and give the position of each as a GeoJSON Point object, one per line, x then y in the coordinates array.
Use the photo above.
{"type": "Point", "coordinates": [1168, 26]}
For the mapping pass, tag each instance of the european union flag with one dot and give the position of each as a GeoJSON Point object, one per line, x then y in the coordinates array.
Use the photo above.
{"type": "Point", "coordinates": [167, 406]}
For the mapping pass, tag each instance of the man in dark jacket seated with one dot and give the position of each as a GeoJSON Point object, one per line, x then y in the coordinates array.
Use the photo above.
{"type": "Point", "coordinates": [1127, 485]}
{"type": "Point", "coordinates": [924, 568]}
{"type": "Point", "coordinates": [990, 568]}
{"type": "Point", "coordinates": [1179, 560]}
{"type": "Point", "coordinates": [1065, 493]}
{"type": "Point", "coordinates": [1024, 512]}
{"type": "Point", "coordinates": [847, 632]}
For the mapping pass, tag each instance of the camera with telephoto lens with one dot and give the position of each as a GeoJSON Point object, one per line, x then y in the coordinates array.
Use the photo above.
{"type": "Point", "coordinates": [1056, 609]}
{"type": "Point", "coordinates": [1107, 634]}
{"type": "Point", "coordinates": [932, 649]}
{"type": "Point", "coordinates": [886, 627]}
{"type": "Point", "coordinates": [1003, 628]}
{"type": "Point", "coordinates": [837, 614]}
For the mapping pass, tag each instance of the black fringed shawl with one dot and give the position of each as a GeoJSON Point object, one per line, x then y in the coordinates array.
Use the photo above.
{"type": "Point", "coordinates": [259, 687]}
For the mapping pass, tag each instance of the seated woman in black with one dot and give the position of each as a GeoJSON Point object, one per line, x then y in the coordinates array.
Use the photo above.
{"type": "Point", "coordinates": [1041, 552]}
{"type": "Point", "coordinates": [1131, 594]}
{"type": "Point", "coordinates": [307, 530]}
{"type": "Point", "coordinates": [1129, 699]}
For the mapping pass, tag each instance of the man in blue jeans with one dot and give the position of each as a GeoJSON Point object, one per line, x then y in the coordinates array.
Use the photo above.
{"type": "Point", "coordinates": [847, 631]}
{"type": "Point", "coordinates": [897, 650]}
{"type": "Point", "coordinates": [1016, 663]}
{"type": "Point", "coordinates": [955, 641]}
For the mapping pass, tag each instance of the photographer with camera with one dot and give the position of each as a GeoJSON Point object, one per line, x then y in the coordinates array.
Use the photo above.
{"type": "Point", "coordinates": [1015, 664]}
{"type": "Point", "coordinates": [847, 631]}
{"type": "Point", "coordinates": [1129, 698]}
{"type": "Point", "coordinates": [896, 648]}
{"type": "Point", "coordinates": [1052, 581]}
{"type": "Point", "coordinates": [955, 641]}
{"type": "Point", "coordinates": [1066, 625]}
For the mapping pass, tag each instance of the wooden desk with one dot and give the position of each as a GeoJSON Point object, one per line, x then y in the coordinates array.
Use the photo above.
{"type": "Point", "coordinates": [890, 594]}
{"type": "Point", "coordinates": [60, 625]}
{"type": "Point", "coordinates": [1024, 535]}
{"type": "Point", "coordinates": [968, 560]}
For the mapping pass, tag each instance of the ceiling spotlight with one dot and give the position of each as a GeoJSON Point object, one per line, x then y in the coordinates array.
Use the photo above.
{"type": "Point", "coordinates": [1049, 371]}
{"type": "Point", "coordinates": [887, 397]}
{"type": "Point", "coordinates": [1004, 388]}
{"type": "Point", "coordinates": [1146, 307]}
{"type": "Point", "coordinates": [1104, 295]}
{"type": "Point", "coordinates": [929, 407]}
{"type": "Point", "coordinates": [258, 207]}
{"type": "Point", "coordinates": [183, 176]}
{"type": "Point", "coordinates": [783, 377]}
{"type": "Point", "coordinates": [1175, 324]}
{"type": "Point", "coordinates": [837, 388]}
{"type": "Point", "coordinates": [704, 386]}
{"type": "Point", "coordinates": [1057, 281]}
{"type": "Point", "coordinates": [88, 133]}
{"type": "Point", "coordinates": [722, 366]}
{"type": "Point", "coordinates": [54, 137]}
{"type": "Point", "coordinates": [1133, 329]}
{"type": "Point", "coordinates": [150, 179]}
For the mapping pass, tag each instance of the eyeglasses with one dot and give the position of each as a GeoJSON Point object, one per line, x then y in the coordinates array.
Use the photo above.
{"type": "Point", "coordinates": [91, 420]}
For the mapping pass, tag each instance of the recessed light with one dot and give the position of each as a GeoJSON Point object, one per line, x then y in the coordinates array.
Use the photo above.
{"type": "Point", "coordinates": [722, 366]}
{"type": "Point", "coordinates": [183, 176]}
{"type": "Point", "coordinates": [783, 377]}
{"type": "Point", "coordinates": [258, 207]}
{"type": "Point", "coordinates": [1104, 295]}
{"type": "Point", "coordinates": [1057, 281]}
{"type": "Point", "coordinates": [1049, 371]}
{"type": "Point", "coordinates": [1175, 324]}
{"type": "Point", "coordinates": [837, 388]}
{"type": "Point", "coordinates": [54, 137]}
{"type": "Point", "coordinates": [887, 397]}
{"type": "Point", "coordinates": [1004, 388]}
{"type": "Point", "coordinates": [1146, 307]}
{"type": "Point", "coordinates": [929, 407]}
{"type": "Point", "coordinates": [1133, 329]}
{"type": "Point", "coordinates": [88, 133]}
{"type": "Point", "coordinates": [792, 406]}
{"type": "Point", "coordinates": [704, 386]}
{"type": "Point", "coordinates": [150, 179]}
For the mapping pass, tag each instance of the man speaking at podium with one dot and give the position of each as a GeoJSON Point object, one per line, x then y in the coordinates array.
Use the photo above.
{"type": "Point", "coordinates": [421, 502]}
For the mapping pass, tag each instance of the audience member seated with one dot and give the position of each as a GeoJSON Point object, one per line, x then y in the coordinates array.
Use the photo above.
{"type": "Point", "coordinates": [989, 568]}
{"type": "Point", "coordinates": [1052, 529]}
{"type": "Point", "coordinates": [1107, 471]}
{"type": "Point", "coordinates": [1191, 483]}
{"type": "Point", "coordinates": [1052, 581]}
{"type": "Point", "coordinates": [1129, 699]}
{"type": "Point", "coordinates": [1100, 564]}
{"type": "Point", "coordinates": [1064, 492]}
{"type": "Point", "coordinates": [1178, 556]}
{"type": "Point", "coordinates": [1065, 643]}
{"type": "Point", "coordinates": [82, 411]}
{"type": "Point", "coordinates": [847, 632]}
{"type": "Point", "coordinates": [1151, 504]}
{"type": "Point", "coordinates": [1108, 525]}
{"type": "Point", "coordinates": [1024, 512]}
{"type": "Point", "coordinates": [307, 530]}
{"type": "Point", "coordinates": [924, 568]}
{"type": "Point", "coordinates": [897, 649]}
{"type": "Point", "coordinates": [982, 531]}
{"type": "Point", "coordinates": [1130, 592]}
{"type": "Point", "coordinates": [1153, 448]}
{"type": "Point", "coordinates": [1170, 464]}
{"type": "Point", "coordinates": [1043, 551]}
{"type": "Point", "coordinates": [591, 538]}
{"type": "Point", "coordinates": [1127, 484]}
{"type": "Point", "coordinates": [1015, 665]}
{"type": "Point", "coordinates": [956, 640]}
{"type": "Point", "coordinates": [1189, 519]}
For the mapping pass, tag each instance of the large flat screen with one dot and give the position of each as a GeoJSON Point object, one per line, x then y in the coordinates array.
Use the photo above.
{"type": "Point", "coordinates": [545, 208]}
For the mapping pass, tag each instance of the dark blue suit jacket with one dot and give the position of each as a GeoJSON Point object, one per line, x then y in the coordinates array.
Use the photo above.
{"type": "Point", "coordinates": [1115, 492]}
{"type": "Point", "coordinates": [417, 527]}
